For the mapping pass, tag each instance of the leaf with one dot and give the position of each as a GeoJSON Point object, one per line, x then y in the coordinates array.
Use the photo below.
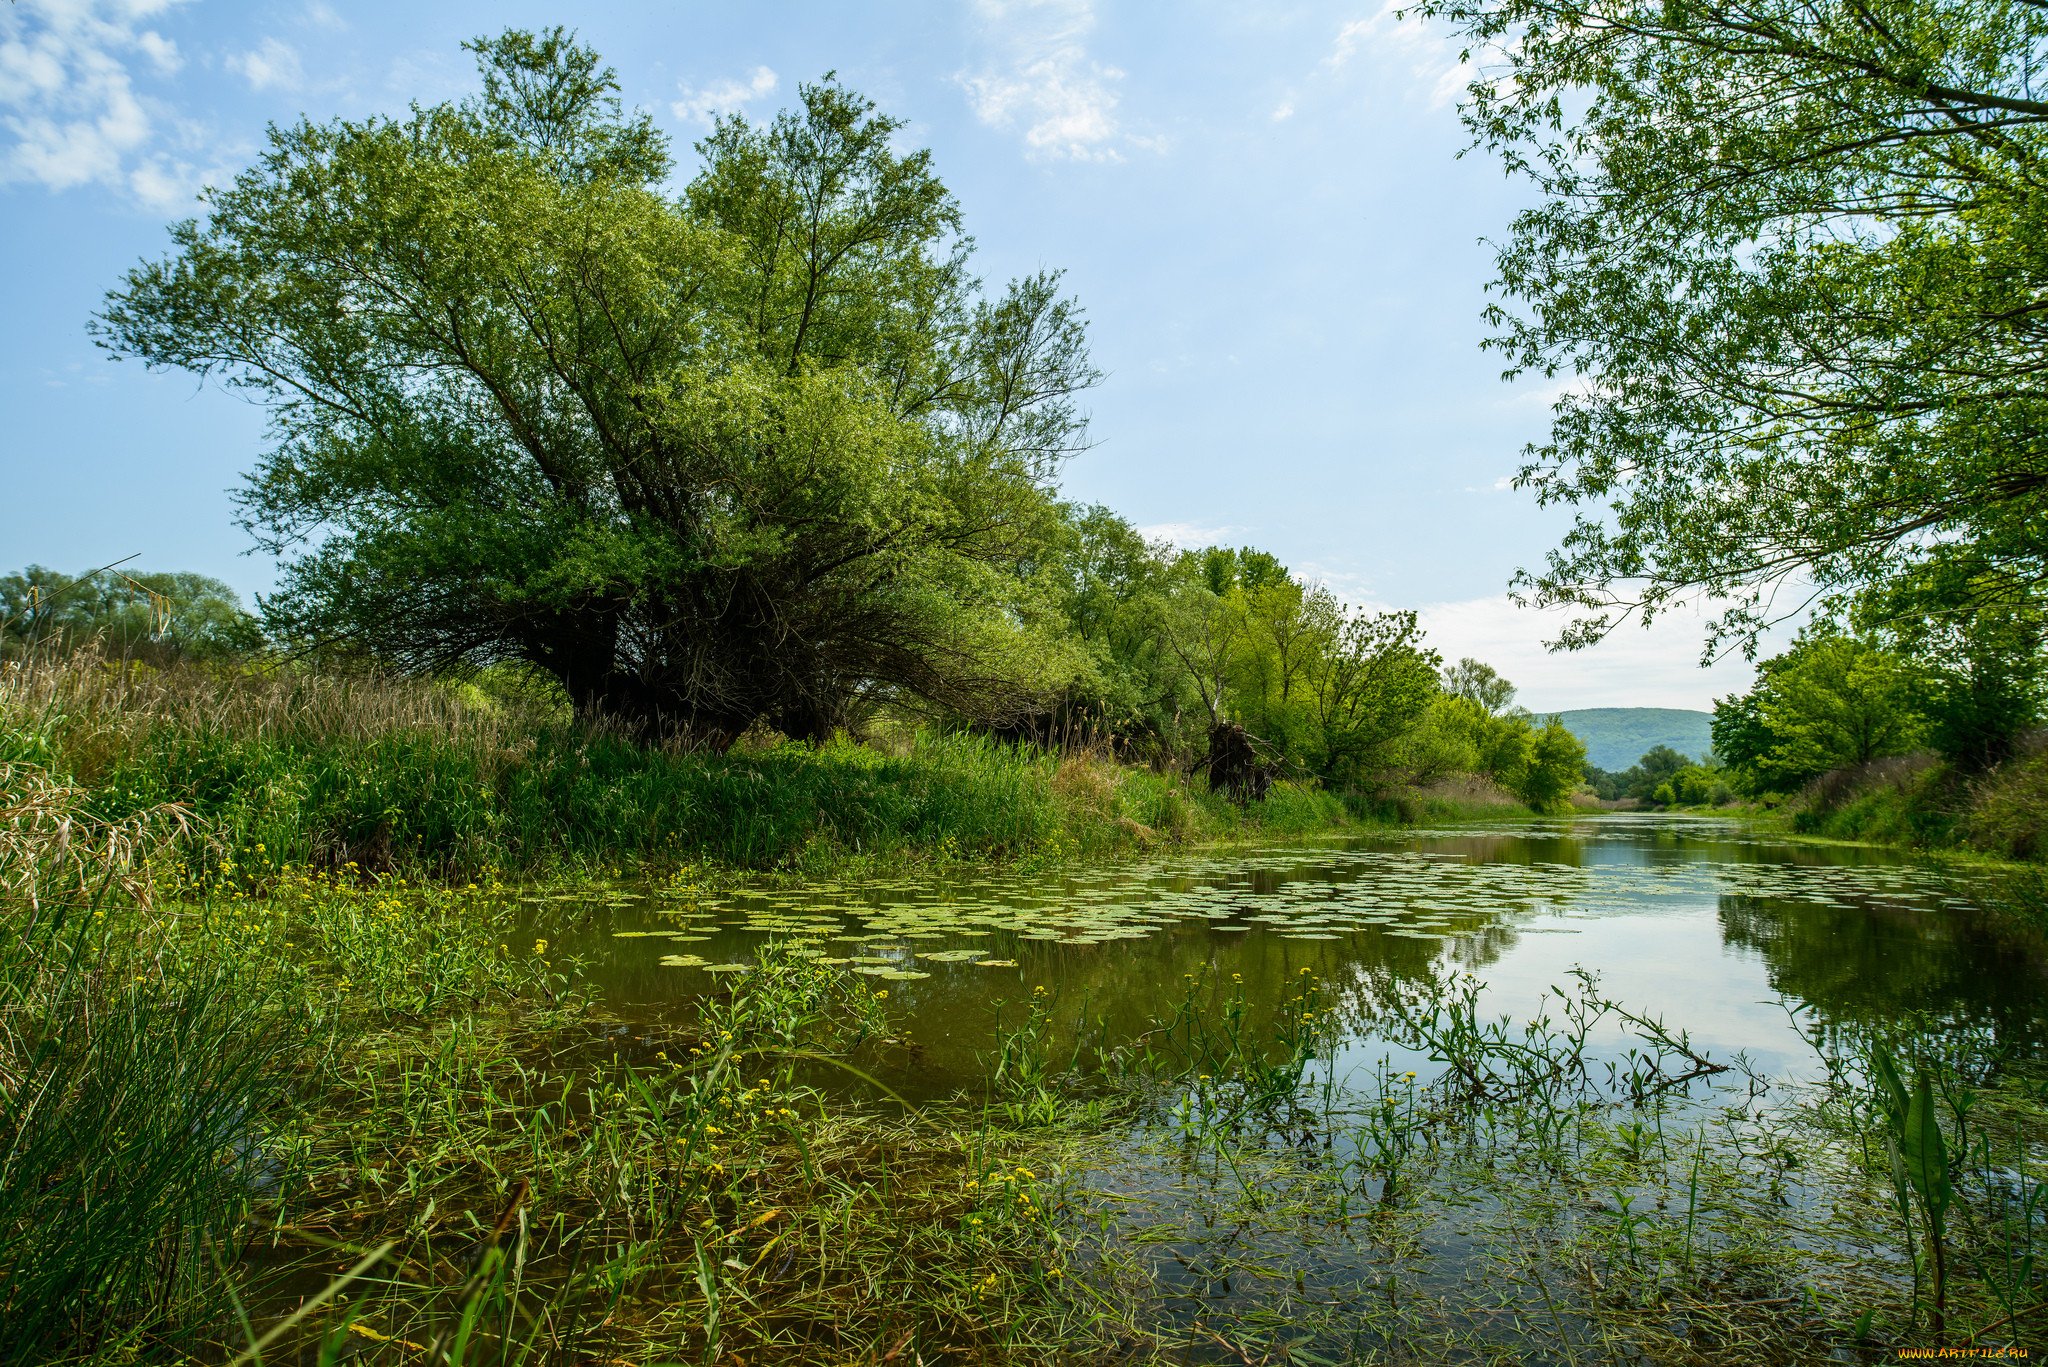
{"type": "Point", "coordinates": [1925, 1153]}
{"type": "Point", "coordinates": [1893, 1092]}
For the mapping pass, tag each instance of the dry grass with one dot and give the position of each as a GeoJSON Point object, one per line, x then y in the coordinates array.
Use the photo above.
{"type": "Point", "coordinates": [1469, 790]}
{"type": "Point", "coordinates": [88, 692]}
{"type": "Point", "coordinates": [48, 840]}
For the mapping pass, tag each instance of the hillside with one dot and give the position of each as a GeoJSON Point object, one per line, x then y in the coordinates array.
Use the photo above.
{"type": "Point", "coordinates": [1616, 737]}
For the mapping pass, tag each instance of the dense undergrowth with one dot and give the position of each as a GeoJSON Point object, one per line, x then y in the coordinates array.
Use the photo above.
{"type": "Point", "coordinates": [293, 769]}
{"type": "Point", "coordinates": [1922, 802]}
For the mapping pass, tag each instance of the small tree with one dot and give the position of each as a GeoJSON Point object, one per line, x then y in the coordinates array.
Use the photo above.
{"type": "Point", "coordinates": [1743, 740]}
{"type": "Point", "coordinates": [1557, 762]}
{"type": "Point", "coordinates": [1834, 701]}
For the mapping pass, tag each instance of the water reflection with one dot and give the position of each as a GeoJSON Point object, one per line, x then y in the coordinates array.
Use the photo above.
{"type": "Point", "coordinates": [1705, 922]}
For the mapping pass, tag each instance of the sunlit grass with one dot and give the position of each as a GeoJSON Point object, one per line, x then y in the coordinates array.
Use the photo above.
{"type": "Point", "coordinates": [290, 770]}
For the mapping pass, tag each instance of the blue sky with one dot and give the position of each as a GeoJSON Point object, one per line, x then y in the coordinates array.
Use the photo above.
{"type": "Point", "coordinates": [1261, 207]}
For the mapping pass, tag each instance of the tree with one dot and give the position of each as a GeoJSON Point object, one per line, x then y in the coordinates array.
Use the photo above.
{"type": "Point", "coordinates": [1114, 590]}
{"type": "Point", "coordinates": [1450, 737]}
{"type": "Point", "coordinates": [760, 453]}
{"type": "Point", "coordinates": [1984, 684]}
{"type": "Point", "coordinates": [1695, 785]}
{"type": "Point", "coordinates": [1743, 741]}
{"type": "Point", "coordinates": [1985, 679]}
{"type": "Point", "coordinates": [1657, 766]}
{"type": "Point", "coordinates": [1789, 263]}
{"type": "Point", "coordinates": [187, 615]}
{"type": "Point", "coordinates": [1834, 701]}
{"type": "Point", "coordinates": [1556, 763]}
{"type": "Point", "coordinates": [1368, 688]}
{"type": "Point", "coordinates": [1480, 684]}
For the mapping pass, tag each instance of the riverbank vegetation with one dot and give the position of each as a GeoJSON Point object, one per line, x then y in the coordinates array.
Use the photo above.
{"type": "Point", "coordinates": [1912, 729]}
{"type": "Point", "coordinates": [291, 768]}
{"type": "Point", "coordinates": [1784, 268]}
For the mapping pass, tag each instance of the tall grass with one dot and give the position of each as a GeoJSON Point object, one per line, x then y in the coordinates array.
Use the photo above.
{"type": "Point", "coordinates": [134, 1101]}
{"type": "Point", "coordinates": [295, 769]}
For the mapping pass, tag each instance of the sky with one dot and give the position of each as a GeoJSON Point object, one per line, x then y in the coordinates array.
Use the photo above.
{"type": "Point", "coordinates": [1262, 208]}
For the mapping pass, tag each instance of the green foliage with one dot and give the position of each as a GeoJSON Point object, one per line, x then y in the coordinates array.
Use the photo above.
{"type": "Point", "coordinates": [1331, 690]}
{"type": "Point", "coordinates": [1556, 764]}
{"type": "Point", "coordinates": [293, 769]}
{"type": "Point", "coordinates": [1479, 683]}
{"type": "Point", "coordinates": [160, 615]}
{"type": "Point", "coordinates": [1693, 786]}
{"type": "Point", "coordinates": [1641, 779]}
{"type": "Point", "coordinates": [1791, 256]}
{"type": "Point", "coordinates": [139, 1090]}
{"type": "Point", "coordinates": [1114, 591]}
{"type": "Point", "coordinates": [1913, 808]}
{"type": "Point", "coordinates": [1456, 734]}
{"type": "Point", "coordinates": [1829, 702]}
{"type": "Point", "coordinates": [1742, 739]}
{"type": "Point", "coordinates": [1665, 778]}
{"type": "Point", "coordinates": [2009, 813]}
{"type": "Point", "coordinates": [1981, 653]}
{"type": "Point", "coordinates": [1453, 736]}
{"type": "Point", "coordinates": [1945, 657]}
{"type": "Point", "coordinates": [766, 451]}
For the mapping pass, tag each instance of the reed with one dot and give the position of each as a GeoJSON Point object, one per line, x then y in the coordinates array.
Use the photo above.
{"type": "Point", "coordinates": [136, 1097]}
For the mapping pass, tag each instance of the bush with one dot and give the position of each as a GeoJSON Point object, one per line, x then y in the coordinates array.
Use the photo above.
{"type": "Point", "coordinates": [2009, 814]}
{"type": "Point", "coordinates": [292, 770]}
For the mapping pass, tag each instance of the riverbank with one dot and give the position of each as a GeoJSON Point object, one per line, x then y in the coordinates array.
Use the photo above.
{"type": "Point", "coordinates": [1921, 802]}
{"type": "Point", "coordinates": [291, 771]}
{"type": "Point", "coordinates": [1918, 802]}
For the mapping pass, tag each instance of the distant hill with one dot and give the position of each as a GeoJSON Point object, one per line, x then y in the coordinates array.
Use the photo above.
{"type": "Point", "coordinates": [1616, 737]}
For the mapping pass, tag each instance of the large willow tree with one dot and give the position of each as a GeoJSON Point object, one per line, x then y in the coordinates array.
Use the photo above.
{"type": "Point", "coordinates": [751, 452]}
{"type": "Point", "coordinates": [1793, 257]}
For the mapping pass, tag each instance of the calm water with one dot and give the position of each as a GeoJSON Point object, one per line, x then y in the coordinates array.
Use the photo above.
{"type": "Point", "coordinates": [1743, 940]}
{"type": "Point", "coordinates": [1701, 922]}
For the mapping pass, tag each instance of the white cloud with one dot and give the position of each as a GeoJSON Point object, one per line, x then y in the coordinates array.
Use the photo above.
{"type": "Point", "coordinates": [1426, 54]}
{"type": "Point", "coordinates": [1283, 111]}
{"type": "Point", "coordinates": [1044, 81]}
{"type": "Point", "coordinates": [1545, 393]}
{"type": "Point", "coordinates": [1658, 666]}
{"type": "Point", "coordinates": [70, 113]}
{"type": "Point", "coordinates": [161, 51]}
{"type": "Point", "coordinates": [1187, 535]}
{"type": "Point", "coordinates": [703, 104]}
{"type": "Point", "coordinates": [322, 16]}
{"type": "Point", "coordinates": [271, 65]}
